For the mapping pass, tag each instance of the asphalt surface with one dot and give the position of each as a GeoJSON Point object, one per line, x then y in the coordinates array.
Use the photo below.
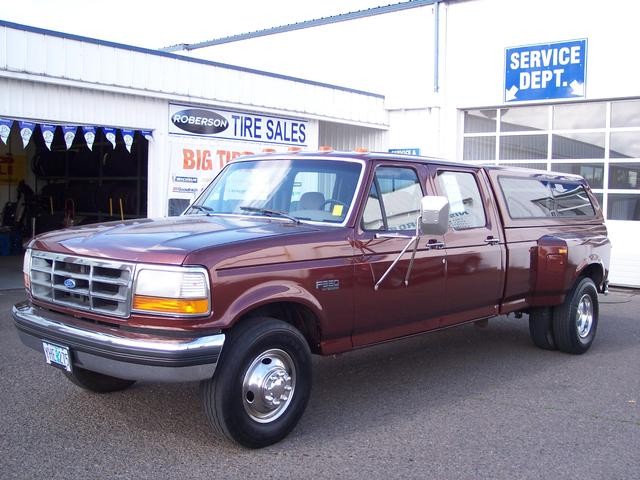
{"type": "Point", "coordinates": [466, 403]}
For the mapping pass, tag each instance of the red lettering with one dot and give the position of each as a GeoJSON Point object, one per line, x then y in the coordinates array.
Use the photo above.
{"type": "Point", "coordinates": [204, 159]}
{"type": "Point", "coordinates": [196, 159]}
{"type": "Point", "coordinates": [221, 156]}
{"type": "Point", "coordinates": [188, 159]}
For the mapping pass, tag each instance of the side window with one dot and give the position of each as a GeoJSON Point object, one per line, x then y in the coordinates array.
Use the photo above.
{"type": "Point", "coordinates": [537, 198]}
{"type": "Point", "coordinates": [394, 200]}
{"type": "Point", "coordinates": [466, 209]}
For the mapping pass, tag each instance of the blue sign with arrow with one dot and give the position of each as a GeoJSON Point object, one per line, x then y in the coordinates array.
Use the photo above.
{"type": "Point", "coordinates": [545, 71]}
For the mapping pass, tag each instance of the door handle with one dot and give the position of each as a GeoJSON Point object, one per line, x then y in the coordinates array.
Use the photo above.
{"type": "Point", "coordinates": [435, 245]}
{"type": "Point", "coordinates": [491, 240]}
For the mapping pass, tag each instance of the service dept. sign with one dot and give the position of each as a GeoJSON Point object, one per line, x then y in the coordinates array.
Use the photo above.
{"type": "Point", "coordinates": [545, 71]}
{"type": "Point", "coordinates": [242, 126]}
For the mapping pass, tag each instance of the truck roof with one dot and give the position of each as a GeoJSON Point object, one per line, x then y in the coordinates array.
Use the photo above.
{"type": "Point", "coordinates": [398, 157]}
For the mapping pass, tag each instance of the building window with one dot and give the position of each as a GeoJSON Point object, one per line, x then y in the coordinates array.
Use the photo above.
{"type": "Point", "coordinates": [598, 140]}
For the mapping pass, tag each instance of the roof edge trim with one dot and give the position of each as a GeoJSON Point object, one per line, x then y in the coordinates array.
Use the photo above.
{"type": "Point", "coordinates": [149, 51]}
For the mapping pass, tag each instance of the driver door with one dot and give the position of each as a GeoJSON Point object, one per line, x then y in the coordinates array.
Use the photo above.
{"type": "Point", "coordinates": [395, 308]}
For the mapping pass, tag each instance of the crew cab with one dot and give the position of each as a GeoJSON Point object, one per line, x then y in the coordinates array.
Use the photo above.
{"type": "Point", "coordinates": [287, 255]}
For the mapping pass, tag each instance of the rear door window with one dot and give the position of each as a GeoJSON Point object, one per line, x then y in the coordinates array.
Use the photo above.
{"type": "Point", "coordinates": [466, 209]}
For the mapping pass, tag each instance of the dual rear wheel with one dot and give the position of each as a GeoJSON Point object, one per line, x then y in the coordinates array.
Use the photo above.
{"type": "Point", "coordinates": [571, 326]}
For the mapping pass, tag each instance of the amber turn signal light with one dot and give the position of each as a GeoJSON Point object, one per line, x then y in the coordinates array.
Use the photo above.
{"type": "Point", "coordinates": [171, 305]}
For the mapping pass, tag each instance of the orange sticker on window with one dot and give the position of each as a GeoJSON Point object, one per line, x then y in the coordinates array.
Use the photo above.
{"type": "Point", "coordinates": [337, 210]}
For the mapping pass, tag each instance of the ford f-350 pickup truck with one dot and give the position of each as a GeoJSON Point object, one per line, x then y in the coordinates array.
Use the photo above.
{"type": "Point", "coordinates": [285, 255]}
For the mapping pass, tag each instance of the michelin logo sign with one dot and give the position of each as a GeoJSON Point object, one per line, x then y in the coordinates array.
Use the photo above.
{"type": "Point", "coordinates": [546, 71]}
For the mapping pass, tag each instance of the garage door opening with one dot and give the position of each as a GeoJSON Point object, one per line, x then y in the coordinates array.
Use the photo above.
{"type": "Point", "coordinates": [43, 189]}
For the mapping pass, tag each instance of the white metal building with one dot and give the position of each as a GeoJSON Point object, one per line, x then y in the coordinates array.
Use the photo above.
{"type": "Point", "coordinates": [448, 70]}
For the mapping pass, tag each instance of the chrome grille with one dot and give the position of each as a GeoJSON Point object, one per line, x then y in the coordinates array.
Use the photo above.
{"type": "Point", "coordinates": [84, 283]}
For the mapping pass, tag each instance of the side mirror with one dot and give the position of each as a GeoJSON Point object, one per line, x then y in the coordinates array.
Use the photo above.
{"type": "Point", "coordinates": [435, 215]}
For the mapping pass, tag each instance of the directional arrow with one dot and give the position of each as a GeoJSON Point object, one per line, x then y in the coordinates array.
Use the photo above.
{"type": "Point", "coordinates": [510, 94]}
{"type": "Point", "coordinates": [577, 88]}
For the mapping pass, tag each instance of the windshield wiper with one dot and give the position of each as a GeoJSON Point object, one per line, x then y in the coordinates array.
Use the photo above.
{"type": "Point", "coordinates": [202, 208]}
{"type": "Point", "coordinates": [267, 211]}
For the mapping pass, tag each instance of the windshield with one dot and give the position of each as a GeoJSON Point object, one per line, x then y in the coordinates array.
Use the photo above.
{"type": "Point", "coordinates": [300, 189]}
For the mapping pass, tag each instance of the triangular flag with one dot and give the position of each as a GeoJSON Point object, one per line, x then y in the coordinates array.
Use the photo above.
{"type": "Point", "coordinates": [110, 134]}
{"type": "Point", "coordinates": [5, 129]}
{"type": "Point", "coordinates": [127, 136]}
{"type": "Point", "coordinates": [148, 134]}
{"type": "Point", "coordinates": [48, 131]}
{"type": "Point", "coordinates": [89, 136]}
{"type": "Point", "coordinates": [69, 135]}
{"type": "Point", "coordinates": [26, 130]}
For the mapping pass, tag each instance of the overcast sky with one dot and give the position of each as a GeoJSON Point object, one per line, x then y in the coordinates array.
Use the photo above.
{"type": "Point", "coordinates": [159, 23]}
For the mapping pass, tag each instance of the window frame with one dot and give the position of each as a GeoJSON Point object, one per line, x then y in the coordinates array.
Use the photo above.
{"type": "Point", "coordinates": [443, 192]}
{"type": "Point", "coordinates": [374, 181]}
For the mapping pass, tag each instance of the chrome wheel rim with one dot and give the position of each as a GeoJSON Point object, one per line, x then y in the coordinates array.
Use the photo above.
{"type": "Point", "coordinates": [584, 316]}
{"type": "Point", "coordinates": [268, 385]}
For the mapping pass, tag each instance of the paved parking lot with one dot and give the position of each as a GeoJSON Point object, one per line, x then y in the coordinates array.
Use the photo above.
{"type": "Point", "coordinates": [466, 403]}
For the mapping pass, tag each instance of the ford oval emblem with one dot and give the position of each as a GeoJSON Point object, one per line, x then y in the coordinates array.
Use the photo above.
{"type": "Point", "coordinates": [70, 283]}
{"type": "Point", "coordinates": [199, 120]}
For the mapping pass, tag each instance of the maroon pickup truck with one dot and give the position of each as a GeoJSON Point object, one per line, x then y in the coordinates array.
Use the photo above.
{"type": "Point", "coordinates": [283, 256]}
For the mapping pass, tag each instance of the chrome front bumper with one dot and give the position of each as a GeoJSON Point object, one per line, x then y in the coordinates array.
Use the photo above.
{"type": "Point", "coordinates": [120, 353]}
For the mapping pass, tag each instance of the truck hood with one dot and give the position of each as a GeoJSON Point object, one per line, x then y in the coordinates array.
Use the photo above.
{"type": "Point", "coordinates": [167, 240]}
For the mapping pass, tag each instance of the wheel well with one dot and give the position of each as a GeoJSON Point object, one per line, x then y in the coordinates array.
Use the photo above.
{"type": "Point", "coordinates": [296, 315]}
{"type": "Point", "coordinates": [595, 273]}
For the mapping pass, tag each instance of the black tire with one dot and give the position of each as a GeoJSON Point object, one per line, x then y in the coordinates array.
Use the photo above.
{"type": "Point", "coordinates": [235, 400]}
{"type": "Point", "coordinates": [97, 382]}
{"type": "Point", "coordinates": [541, 328]}
{"type": "Point", "coordinates": [575, 321]}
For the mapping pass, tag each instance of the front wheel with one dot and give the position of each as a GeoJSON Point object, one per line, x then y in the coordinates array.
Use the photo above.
{"type": "Point", "coordinates": [576, 320]}
{"type": "Point", "coordinates": [262, 384]}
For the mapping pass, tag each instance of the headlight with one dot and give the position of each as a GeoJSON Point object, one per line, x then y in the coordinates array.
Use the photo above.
{"type": "Point", "coordinates": [182, 291]}
{"type": "Point", "coordinates": [26, 268]}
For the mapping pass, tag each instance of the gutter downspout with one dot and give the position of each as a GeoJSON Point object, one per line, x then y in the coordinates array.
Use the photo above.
{"type": "Point", "coordinates": [436, 46]}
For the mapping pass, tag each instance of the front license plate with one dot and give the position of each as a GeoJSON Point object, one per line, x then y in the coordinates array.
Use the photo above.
{"type": "Point", "coordinates": [57, 356]}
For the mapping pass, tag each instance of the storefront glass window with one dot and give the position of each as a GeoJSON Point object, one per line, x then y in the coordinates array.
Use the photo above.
{"type": "Point", "coordinates": [599, 141]}
{"type": "Point", "coordinates": [579, 115]}
{"type": "Point", "coordinates": [624, 145]}
{"type": "Point", "coordinates": [578, 145]}
{"type": "Point", "coordinates": [523, 147]}
{"type": "Point", "coordinates": [624, 175]}
{"type": "Point", "coordinates": [480, 148]}
{"type": "Point", "coordinates": [625, 114]}
{"type": "Point", "coordinates": [524, 119]}
{"type": "Point", "coordinates": [623, 207]}
{"type": "Point", "coordinates": [480, 121]}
